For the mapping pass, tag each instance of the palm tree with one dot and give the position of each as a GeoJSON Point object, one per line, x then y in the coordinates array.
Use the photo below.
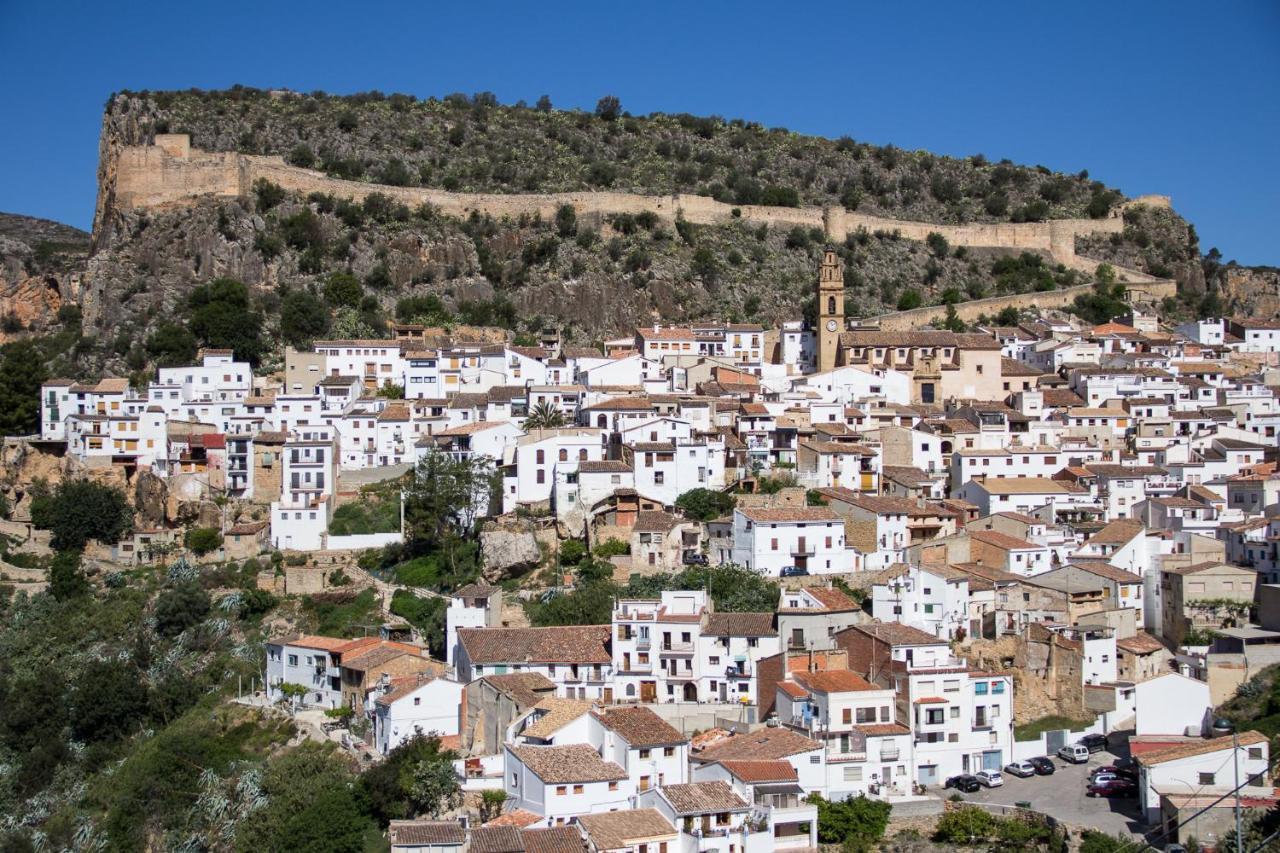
{"type": "Point", "coordinates": [544, 416]}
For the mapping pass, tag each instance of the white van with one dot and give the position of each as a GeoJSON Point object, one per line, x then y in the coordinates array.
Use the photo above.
{"type": "Point", "coordinates": [1076, 753]}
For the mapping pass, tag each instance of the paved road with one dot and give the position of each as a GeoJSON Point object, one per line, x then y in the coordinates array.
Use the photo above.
{"type": "Point", "coordinates": [1063, 796]}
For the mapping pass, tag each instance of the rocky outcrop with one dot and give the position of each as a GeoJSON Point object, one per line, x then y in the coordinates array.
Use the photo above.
{"type": "Point", "coordinates": [508, 549]}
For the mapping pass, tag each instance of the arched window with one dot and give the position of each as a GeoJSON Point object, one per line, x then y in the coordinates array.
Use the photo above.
{"type": "Point", "coordinates": [831, 305]}
{"type": "Point", "coordinates": [582, 454]}
{"type": "Point", "coordinates": [631, 690]}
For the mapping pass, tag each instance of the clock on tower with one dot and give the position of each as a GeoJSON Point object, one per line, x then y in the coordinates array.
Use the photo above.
{"type": "Point", "coordinates": [830, 309]}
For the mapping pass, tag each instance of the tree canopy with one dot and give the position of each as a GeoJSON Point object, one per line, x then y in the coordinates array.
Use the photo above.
{"type": "Point", "coordinates": [22, 371]}
{"type": "Point", "coordinates": [80, 510]}
{"type": "Point", "coordinates": [220, 315]}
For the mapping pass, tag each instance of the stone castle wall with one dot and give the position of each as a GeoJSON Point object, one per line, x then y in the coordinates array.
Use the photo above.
{"type": "Point", "coordinates": [171, 172]}
{"type": "Point", "coordinates": [1150, 291]}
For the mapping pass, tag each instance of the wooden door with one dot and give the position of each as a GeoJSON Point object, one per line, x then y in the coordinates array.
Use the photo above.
{"type": "Point", "coordinates": [648, 691]}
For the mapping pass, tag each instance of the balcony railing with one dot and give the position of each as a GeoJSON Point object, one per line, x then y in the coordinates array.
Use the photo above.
{"type": "Point", "coordinates": [889, 754]}
{"type": "Point", "coordinates": [679, 675]}
{"type": "Point", "coordinates": [677, 648]}
{"type": "Point", "coordinates": [642, 642]}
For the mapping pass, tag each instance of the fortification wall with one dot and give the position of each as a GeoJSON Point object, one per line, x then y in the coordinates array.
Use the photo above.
{"type": "Point", "coordinates": [171, 172]}
{"type": "Point", "coordinates": [1152, 290]}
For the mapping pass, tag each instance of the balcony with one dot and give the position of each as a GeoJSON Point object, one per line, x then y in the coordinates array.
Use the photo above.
{"type": "Point", "coordinates": [889, 754]}
{"type": "Point", "coordinates": [677, 648]}
{"type": "Point", "coordinates": [802, 550]}
{"type": "Point", "coordinates": [735, 672]}
{"type": "Point", "coordinates": [642, 642]}
{"type": "Point", "coordinates": [679, 675]}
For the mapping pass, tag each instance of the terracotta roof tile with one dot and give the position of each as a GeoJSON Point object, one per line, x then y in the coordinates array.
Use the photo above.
{"type": "Point", "coordinates": [764, 744]}
{"type": "Point", "coordinates": [639, 726]}
{"type": "Point", "coordinates": [575, 762]}
{"type": "Point", "coordinates": [753, 772]}
{"type": "Point", "coordinates": [740, 625]}
{"type": "Point", "coordinates": [563, 644]}
{"type": "Point", "coordinates": [424, 832]}
{"type": "Point", "coordinates": [1198, 747]}
{"type": "Point", "coordinates": [621, 830]}
{"type": "Point", "coordinates": [553, 839]}
{"type": "Point", "coordinates": [699, 797]}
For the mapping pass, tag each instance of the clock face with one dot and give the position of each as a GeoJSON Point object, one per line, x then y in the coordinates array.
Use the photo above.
{"type": "Point", "coordinates": [831, 325]}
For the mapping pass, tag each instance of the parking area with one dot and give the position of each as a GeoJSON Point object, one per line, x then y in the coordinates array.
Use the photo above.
{"type": "Point", "coordinates": [1062, 795]}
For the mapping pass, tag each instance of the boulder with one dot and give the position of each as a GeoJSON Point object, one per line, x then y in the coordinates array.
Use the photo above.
{"type": "Point", "coordinates": [150, 498]}
{"type": "Point", "coordinates": [508, 551]}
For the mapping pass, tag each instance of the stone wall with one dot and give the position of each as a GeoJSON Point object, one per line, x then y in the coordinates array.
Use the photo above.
{"type": "Point", "coordinates": [171, 172]}
{"type": "Point", "coordinates": [1141, 291]}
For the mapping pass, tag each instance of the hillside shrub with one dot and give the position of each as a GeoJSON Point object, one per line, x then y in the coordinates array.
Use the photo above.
{"type": "Point", "coordinates": [202, 540]}
{"type": "Point", "coordinates": [80, 510]}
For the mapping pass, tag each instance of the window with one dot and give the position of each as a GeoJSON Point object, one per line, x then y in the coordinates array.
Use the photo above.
{"type": "Point", "coordinates": [561, 790]}
{"type": "Point", "coordinates": [541, 456]}
{"type": "Point", "coordinates": [951, 686]}
{"type": "Point", "coordinates": [668, 751]}
{"type": "Point", "coordinates": [997, 687]}
{"type": "Point", "coordinates": [1255, 753]}
{"type": "Point", "coordinates": [613, 786]}
{"type": "Point", "coordinates": [644, 753]}
{"type": "Point", "coordinates": [866, 715]}
{"type": "Point", "coordinates": [847, 716]}
{"type": "Point", "coordinates": [564, 454]}
{"type": "Point", "coordinates": [980, 688]}
{"type": "Point", "coordinates": [853, 774]}
{"type": "Point", "coordinates": [955, 712]}
{"type": "Point", "coordinates": [1206, 778]}
{"type": "Point", "coordinates": [578, 789]}
{"type": "Point", "coordinates": [815, 759]}
{"type": "Point", "coordinates": [293, 660]}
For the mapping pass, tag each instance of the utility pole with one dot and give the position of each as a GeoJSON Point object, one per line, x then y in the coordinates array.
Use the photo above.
{"type": "Point", "coordinates": [1235, 761]}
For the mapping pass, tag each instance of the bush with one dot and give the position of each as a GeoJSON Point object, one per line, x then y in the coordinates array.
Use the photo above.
{"type": "Point", "coordinates": [909, 299]}
{"type": "Point", "coordinates": [964, 825]}
{"type": "Point", "coordinates": [857, 820]}
{"type": "Point", "coordinates": [303, 318]}
{"type": "Point", "coordinates": [608, 107]}
{"type": "Point", "coordinates": [268, 194]}
{"type": "Point", "coordinates": [342, 289]}
{"type": "Point", "coordinates": [705, 504]}
{"type": "Point", "coordinates": [180, 608]}
{"type": "Point", "coordinates": [80, 510]}
{"type": "Point", "coordinates": [202, 540]}
{"type": "Point", "coordinates": [566, 221]}
{"type": "Point", "coordinates": [301, 156]}
{"type": "Point", "coordinates": [937, 244]}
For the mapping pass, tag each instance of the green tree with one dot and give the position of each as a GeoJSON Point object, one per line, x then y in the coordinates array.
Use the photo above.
{"type": "Point", "coordinates": [705, 504]}
{"type": "Point", "coordinates": [589, 603]}
{"type": "Point", "coordinates": [435, 788]}
{"type": "Point", "coordinates": [1008, 317]}
{"type": "Point", "coordinates": [66, 577]}
{"type": "Point", "coordinates": [172, 344]}
{"type": "Point", "coordinates": [566, 220]}
{"type": "Point", "coordinates": [443, 499]}
{"type": "Point", "coordinates": [80, 510]}
{"type": "Point", "coordinates": [108, 701]}
{"type": "Point", "coordinates": [311, 804]}
{"type": "Point", "coordinates": [220, 316]}
{"type": "Point", "coordinates": [909, 299]}
{"type": "Point", "coordinates": [342, 289]}
{"type": "Point", "coordinates": [965, 825]}
{"type": "Point", "coordinates": [387, 787]}
{"type": "Point", "coordinates": [608, 107]}
{"type": "Point", "coordinates": [855, 820]}
{"type": "Point", "coordinates": [544, 415]}
{"type": "Point", "coordinates": [937, 244]}
{"type": "Point", "coordinates": [202, 540]}
{"type": "Point", "coordinates": [22, 372]}
{"type": "Point", "coordinates": [302, 318]}
{"type": "Point", "coordinates": [180, 608]}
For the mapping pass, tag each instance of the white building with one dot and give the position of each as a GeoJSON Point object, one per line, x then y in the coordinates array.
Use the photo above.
{"type": "Point", "coordinates": [415, 708]}
{"type": "Point", "coordinates": [770, 541]}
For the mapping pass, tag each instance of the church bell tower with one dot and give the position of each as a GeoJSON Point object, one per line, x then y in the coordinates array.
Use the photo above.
{"type": "Point", "coordinates": [830, 310]}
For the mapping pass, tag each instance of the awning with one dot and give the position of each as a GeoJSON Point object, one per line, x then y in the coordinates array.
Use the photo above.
{"type": "Point", "coordinates": [780, 788]}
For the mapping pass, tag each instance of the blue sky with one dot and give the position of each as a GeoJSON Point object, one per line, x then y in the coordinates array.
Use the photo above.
{"type": "Point", "coordinates": [1172, 97]}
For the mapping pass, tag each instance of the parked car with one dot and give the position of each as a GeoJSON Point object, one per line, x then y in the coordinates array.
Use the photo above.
{"type": "Point", "coordinates": [695, 559]}
{"type": "Point", "coordinates": [1044, 765]}
{"type": "Point", "coordinates": [990, 778]}
{"type": "Point", "coordinates": [1020, 768]}
{"type": "Point", "coordinates": [1174, 848]}
{"type": "Point", "coordinates": [1102, 778]}
{"type": "Point", "coordinates": [1094, 743]}
{"type": "Point", "coordinates": [1123, 772]}
{"type": "Point", "coordinates": [1114, 788]}
{"type": "Point", "coordinates": [794, 571]}
{"type": "Point", "coordinates": [964, 782]}
{"type": "Point", "coordinates": [1075, 753]}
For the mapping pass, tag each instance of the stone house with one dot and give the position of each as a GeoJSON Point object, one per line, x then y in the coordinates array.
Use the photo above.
{"type": "Point", "coordinates": [490, 704]}
{"type": "Point", "coordinates": [1142, 657]}
{"type": "Point", "coordinates": [1204, 596]}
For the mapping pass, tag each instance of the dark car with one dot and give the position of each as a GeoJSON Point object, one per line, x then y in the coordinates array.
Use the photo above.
{"type": "Point", "coordinates": [695, 559]}
{"type": "Point", "coordinates": [1043, 766]}
{"type": "Point", "coordinates": [965, 782]}
{"type": "Point", "coordinates": [794, 571]}
{"type": "Point", "coordinates": [1113, 788]}
{"type": "Point", "coordinates": [1094, 743]}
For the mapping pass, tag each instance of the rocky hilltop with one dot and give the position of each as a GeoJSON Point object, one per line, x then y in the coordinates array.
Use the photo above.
{"type": "Point", "coordinates": [323, 262]}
